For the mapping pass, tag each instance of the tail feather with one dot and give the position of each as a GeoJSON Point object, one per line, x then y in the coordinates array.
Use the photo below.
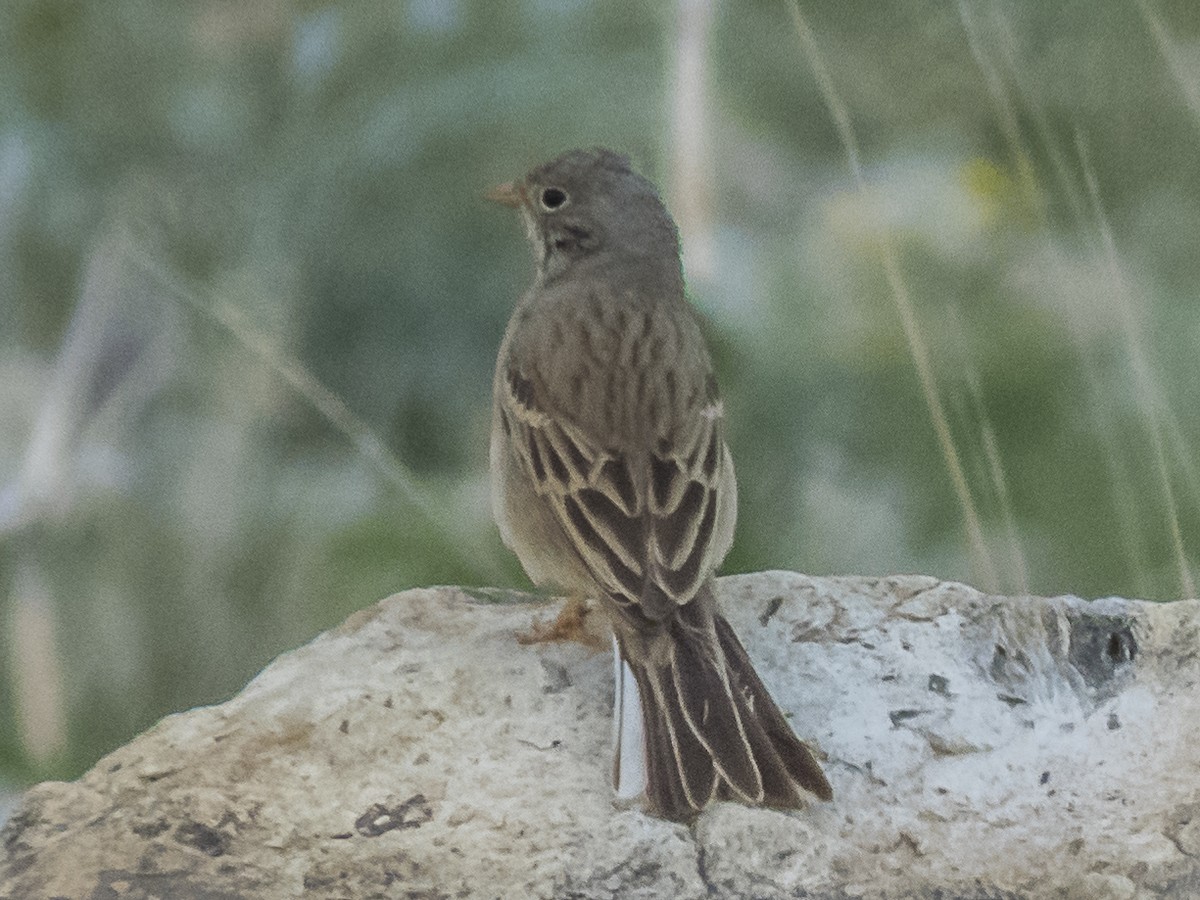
{"type": "Point", "coordinates": [709, 729]}
{"type": "Point", "coordinates": [685, 758]}
{"type": "Point", "coordinates": [710, 708]}
{"type": "Point", "coordinates": [664, 777]}
{"type": "Point", "coordinates": [629, 760]}
{"type": "Point", "coordinates": [797, 758]}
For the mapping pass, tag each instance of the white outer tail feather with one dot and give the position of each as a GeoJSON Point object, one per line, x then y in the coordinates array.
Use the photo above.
{"type": "Point", "coordinates": [629, 743]}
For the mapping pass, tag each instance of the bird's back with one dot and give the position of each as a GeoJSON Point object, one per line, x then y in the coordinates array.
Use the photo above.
{"type": "Point", "coordinates": [603, 356]}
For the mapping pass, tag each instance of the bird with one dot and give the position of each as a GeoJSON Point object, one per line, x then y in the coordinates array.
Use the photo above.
{"type": "Point", "coordinates": [611, 479]}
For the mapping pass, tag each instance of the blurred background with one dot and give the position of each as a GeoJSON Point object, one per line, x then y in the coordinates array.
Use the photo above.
{"type": "Point", "coordinates": [250, 299]}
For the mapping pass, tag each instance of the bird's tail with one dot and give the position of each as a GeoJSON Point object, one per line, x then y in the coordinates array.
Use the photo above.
{"type": "Point", "coordinates": [694, 723]}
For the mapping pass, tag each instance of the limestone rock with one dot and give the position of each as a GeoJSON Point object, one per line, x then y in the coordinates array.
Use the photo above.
{"type": "Point", "coordinates": [979, 747]}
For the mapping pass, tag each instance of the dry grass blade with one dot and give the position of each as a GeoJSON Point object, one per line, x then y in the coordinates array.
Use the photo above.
{"type": "Point", "coordinates": [1152, 402]}
{"type": "Point", "coordinates": [981, 556]}
{"type": "Point", "coordinates": [1171, 55]}
{"type": "Point", "coordinates": [328, 404]}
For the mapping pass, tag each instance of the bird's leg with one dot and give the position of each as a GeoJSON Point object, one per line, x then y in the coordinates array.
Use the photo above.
{"type": "Point", "coordinates": [576, 621]}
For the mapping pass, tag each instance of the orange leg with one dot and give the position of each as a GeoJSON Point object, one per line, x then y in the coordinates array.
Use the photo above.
{"type": "Point", "coordinates": [575, 622]}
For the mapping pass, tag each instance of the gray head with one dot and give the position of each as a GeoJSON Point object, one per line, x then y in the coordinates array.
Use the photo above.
{"type": "Point", "coordinates": [588, 205]}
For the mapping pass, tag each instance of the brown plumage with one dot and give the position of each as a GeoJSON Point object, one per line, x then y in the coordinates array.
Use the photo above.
{"type": "Point", "coordinates": [611, 479]}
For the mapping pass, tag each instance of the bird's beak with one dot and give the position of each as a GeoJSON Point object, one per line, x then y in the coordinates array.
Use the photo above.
{"type": "Point", "coordinates": [508, 194]}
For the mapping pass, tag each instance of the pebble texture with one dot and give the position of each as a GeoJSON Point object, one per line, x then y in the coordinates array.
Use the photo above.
{"type": "Point", "coordinates": [978, 746]}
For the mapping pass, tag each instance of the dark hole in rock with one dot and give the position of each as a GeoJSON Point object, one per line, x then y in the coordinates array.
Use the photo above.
{"type": "Point", "coordinates": [901, 715]}
{"type": "Point", "coordinates": [381, 818]}
{"type": "Point", "coordinates": [1007, 667]}
{"type": "Point", "coordinates": [1101, 648]}
{"type": "Point", "coordinates": [772, 608]}
{"type": "Point", "coordinates": [205, 839]}
{"type": "Point", "coordinates": [999, 661]}
{"type": "Point", "coordinates": [1121, 646]}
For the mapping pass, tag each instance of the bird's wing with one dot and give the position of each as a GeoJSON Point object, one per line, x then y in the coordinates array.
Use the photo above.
{"type": "Point", "coordinates": [641, 521]}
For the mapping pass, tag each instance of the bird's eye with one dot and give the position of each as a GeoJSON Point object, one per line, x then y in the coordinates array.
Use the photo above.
{"type": "Point", "coordinates": [553, 198]}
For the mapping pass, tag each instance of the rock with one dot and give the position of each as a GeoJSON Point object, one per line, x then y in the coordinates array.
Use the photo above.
{"type": "Point", "coordinates": [979, 747]}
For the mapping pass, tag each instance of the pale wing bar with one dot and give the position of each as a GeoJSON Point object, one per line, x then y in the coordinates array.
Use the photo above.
{"type": "Point", "coordinates": [646, 551]}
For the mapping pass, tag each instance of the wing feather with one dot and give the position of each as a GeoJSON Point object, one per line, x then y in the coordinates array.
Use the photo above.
{"type": "Point", "coordinates": [642, 522]}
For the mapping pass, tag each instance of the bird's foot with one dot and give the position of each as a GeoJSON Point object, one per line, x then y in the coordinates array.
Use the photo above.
{"type": "Point", "coordinates": [575, 622]}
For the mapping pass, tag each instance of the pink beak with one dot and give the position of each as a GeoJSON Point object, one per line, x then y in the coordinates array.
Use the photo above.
{"type": "Point", "coordinates": [507, 194]}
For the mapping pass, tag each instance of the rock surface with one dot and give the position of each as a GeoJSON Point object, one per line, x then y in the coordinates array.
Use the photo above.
{"type": "Point", "coordinates": [979, 747]}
